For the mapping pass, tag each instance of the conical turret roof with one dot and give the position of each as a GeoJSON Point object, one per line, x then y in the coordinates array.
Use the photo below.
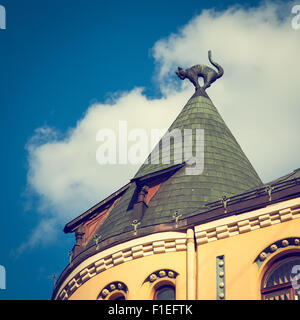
{"type": "Point", "coordinates": [226, 172]}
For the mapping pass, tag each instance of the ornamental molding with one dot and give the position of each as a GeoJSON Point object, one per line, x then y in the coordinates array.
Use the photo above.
{"type": "Point", "coordinates": [176, 241]}
{"type": "Point", "coordinates": [133, 249]}
{"type": "Point", "coordinates": [286, 243]}
{"type": "Point", "coordinates": [220, 277]}
{"type": "Point", "coordinates": [161, 274]}
{"type": "Point", "coordinates": [111, 288]}
{"type": "Point", "coordinates": [246, 222]}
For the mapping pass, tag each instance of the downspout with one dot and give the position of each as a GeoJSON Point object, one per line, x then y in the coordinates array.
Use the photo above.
{"type": "Point", "coordinates": [190, 265]}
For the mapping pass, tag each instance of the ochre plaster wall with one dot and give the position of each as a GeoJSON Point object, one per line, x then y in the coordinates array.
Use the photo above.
{"type": "Point", "coordinates": [242, 275]}
{"type": "Point", "coordinates": [133, 273]}
{"type": "Point", "coordinates": [239, 238]}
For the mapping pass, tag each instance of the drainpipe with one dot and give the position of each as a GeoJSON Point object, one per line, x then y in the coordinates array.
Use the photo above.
{"type": "Point", "coordinates": [190, 265]}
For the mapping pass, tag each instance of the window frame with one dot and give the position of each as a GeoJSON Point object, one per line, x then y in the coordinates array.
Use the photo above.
{"type": "Point", "coordinates": [165, 281]}
{"type": "Point", "coordinates": [282, 286]}
{"type": "Point", "coordinates": [116, 294]}
{"type": "Point", "coordinates": [161, 287]}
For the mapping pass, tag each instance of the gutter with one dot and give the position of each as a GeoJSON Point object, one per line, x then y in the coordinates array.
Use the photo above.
{"type": "Point", "coordinates": [190, 265]}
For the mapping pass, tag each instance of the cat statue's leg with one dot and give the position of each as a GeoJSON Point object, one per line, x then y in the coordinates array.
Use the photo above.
{"type": "Point", "coordinates": [210, 78]}
{"type": "Point", "coordinates": [195, 82]}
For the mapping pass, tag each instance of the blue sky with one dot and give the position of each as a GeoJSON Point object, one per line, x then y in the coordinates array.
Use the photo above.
{"type": "Point", "coordinates": [57, 58]}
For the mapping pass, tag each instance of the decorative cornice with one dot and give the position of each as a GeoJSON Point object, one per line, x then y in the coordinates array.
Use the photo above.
{"type": "Point", "coordinates": [234, 225]}
{"type": "Point", "coordinates": [176, 242]}
{"type": "Point", "coordinates": [111, 288]}
{"type": "Point", "coordinates": [163, 273]}
{"type": "Point", "coordinates": [209, 227]}
{"type": "Point", "coordinates": [274, 247]}
{"type": "Point", "coordinates": [288, 190]}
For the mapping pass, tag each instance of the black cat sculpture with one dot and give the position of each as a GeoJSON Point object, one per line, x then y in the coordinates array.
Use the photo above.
{"type": "Point", "coordinates": [208, 74]}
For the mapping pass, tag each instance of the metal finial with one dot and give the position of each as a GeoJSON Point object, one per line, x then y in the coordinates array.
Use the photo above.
{"type": "Point", "coordinates": [54, 279]}
{"type": "Point", "coordinates": [97, 238]}
{"type": "Point", "coordinates": [176, 216]}
{"type": "Point", "coordinates": [135, 224]}
{"type": "Point", "coordinates": [224, 200]}
{"type": "Point", "coordinates": [70, 256]}
{"type": "Point", "coordinates": [269, 190]}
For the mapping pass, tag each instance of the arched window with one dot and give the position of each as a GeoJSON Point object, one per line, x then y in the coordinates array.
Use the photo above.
{"type": "Point", "coordinates": [162, 284]}
{"type": "Point", "coordinates": [114, 291]}
{"type": "Point", "coordinates": [117, 296]}
{"type": "Point", "coordinates": [165, 292]}
{"type": "Point", "coordinates": [280, 280]}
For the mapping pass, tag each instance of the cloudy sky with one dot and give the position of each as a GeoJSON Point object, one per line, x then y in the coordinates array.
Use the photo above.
{"type": "Point", "coordinates": [70, 69]}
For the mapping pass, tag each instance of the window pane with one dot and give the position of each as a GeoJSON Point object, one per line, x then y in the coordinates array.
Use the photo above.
{"type": "Point", "coordinates": [117, 296]}
{"type": "Point", "coordinates": [279, 283]}
{"type": "Point", "coordinates": [165, 293]}
{"type": "Point", "coordinates": [120, 298]}
{"type": "Point", "coordinates": [282, 273]}
{"type": "Point", "coordinates": [278, 295]}
{"type": "Point", "coordinates": [297, 294]}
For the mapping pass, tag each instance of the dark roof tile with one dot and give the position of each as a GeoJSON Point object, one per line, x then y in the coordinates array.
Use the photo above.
{"type": "Point", "coordinates": [227, 171]}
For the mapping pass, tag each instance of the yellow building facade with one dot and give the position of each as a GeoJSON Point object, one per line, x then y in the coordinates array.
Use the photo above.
{"type": "Point", "coordinates": [218, 234]}
{"type": "Point", "coordinates": [192, 257]}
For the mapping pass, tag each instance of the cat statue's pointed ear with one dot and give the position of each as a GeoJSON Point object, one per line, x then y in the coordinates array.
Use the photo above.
{"type": "Point", "coordinates": [180, 74]}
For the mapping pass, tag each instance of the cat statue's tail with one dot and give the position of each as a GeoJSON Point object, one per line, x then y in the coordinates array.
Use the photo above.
{"type": "Point", "coordinates": [219, 68]}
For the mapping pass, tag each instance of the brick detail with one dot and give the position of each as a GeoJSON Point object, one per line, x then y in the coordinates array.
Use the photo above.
{"type": "Point", "coordinates": [286, 215]}
{"type": "Point", "coordinates": [119, 257]}
{"type": "Point", "coordinates": [245, 225]}
{"type": "Point", "coordinates": [201, 237]}
{"type": "Point", "coordinates": [156, 247]}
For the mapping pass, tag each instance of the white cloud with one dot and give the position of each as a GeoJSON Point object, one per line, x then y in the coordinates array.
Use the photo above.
{"type": "Point", "coordinates": [258, 97]}
{"type": "Point", "coordinates": [45, 232]}
{"type": "Point", "coordinates": [64, 173]}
